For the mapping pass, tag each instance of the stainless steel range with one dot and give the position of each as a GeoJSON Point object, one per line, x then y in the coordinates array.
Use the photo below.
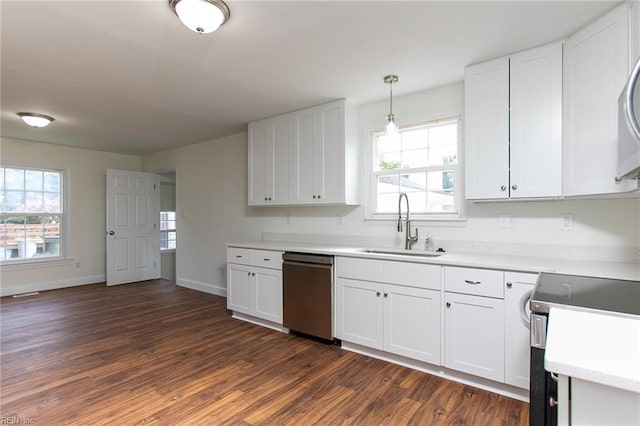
{"type": "Point", "coordinates": [585, 293]}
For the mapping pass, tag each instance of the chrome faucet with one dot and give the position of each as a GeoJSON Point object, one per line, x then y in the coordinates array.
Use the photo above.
{"type": "Point", "coordinates": [409, 239]}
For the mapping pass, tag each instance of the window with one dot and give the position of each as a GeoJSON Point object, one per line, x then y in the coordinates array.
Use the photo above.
{"type": "Point", "coordinates": [32, 213]}
{"type": "Point", "coordinates": [421, 161]}
{"type": "Point", "coordinates": [167, 230]}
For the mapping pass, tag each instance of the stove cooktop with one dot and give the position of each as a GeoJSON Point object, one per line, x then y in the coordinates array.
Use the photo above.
{"type": "Point", "coordinates": [602, 294]}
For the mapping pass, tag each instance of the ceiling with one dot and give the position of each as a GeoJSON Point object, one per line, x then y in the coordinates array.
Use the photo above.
{"type": "Point", "coordinates": [128, 77]}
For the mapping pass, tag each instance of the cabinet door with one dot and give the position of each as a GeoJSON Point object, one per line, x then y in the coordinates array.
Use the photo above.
{"type": "Point", "coordinates": [412, 322]}
{"type": "Point", "coordinates": [261, 162]}
{"type": "Point", "coordinates": [516, 331]}
{"type": "Point", "coordinates": [328, 167]}
{"type": "Point", "coordinates": [240, 288]}
{"type": "Point", "coordinates": [487, 129]}
{"type": "Point", "coordinates": [474, 330]}
{"type": "Point", "coordinates": [303, 167]}
{"type": "Point", "coordinates": [535, 142]}
{"type": "Point", "coordinates": [268, 284]}
{"type": "Point", "coordinates": [595, 69]}
{"type": "Point", "coordinates": [282, 140]}
{"type": "Point", "coordinates": [359, 312]}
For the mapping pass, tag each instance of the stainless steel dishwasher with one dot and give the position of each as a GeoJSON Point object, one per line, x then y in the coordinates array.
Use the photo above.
{"type": "Point", "coordinates": [307, 283]}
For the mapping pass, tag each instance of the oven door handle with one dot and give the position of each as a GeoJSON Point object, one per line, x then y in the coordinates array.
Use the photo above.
{"type": "Point", "coordinates": [524, 302]}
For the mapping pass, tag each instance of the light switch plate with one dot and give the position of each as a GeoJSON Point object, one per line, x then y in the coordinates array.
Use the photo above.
{"type": "Point", "coordinates": [566, 222]}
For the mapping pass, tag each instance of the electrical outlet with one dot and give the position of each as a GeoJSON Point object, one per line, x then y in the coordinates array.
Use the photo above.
{"type": "Point", "coordinates": [505, 221]}
{"type": "Point", "coordinates": [565, 290]}
{"type": "Point", "coordinates": [566, 222]}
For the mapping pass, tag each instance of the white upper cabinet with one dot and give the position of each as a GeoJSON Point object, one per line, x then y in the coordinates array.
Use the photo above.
{"type": "Point", "coordinates": [513, 119]}
{"type": "Point", "coordinates": [536, 122]}
{"type": "Point", "coordinates": [486, 91]}
{"type": "Point", "coordinates": [314, 157]}
{"type": "Point", "coordinates": [596, 66]}
{"type": "Point", "coordinates": [269, 160]}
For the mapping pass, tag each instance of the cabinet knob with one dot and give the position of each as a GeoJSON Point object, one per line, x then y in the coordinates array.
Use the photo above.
{"type": "Point", "coordinates": [503, 188]}
{"type": "Point", "coordinates": [319, 196]}
{"type": "Point", "coordinates": [248, 274]}
{"type": "Point", "coordinates": [377, 294]}
{"type": "Point", "coordinates": [314, 197]}
{"type": "Point", "coordinates": [509, 285]}
{"type": "Point", "coordinates": [265, 198]}
{"type": "Point", "coordinates": [448, 305]}
{"type": "Point", "coordinates": [386, 295]}
{"type": "Point", "coordinates": [514, 187]}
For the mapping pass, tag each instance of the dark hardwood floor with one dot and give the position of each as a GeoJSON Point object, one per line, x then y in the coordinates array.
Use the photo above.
{"type": "Point", "coordinates": [152, 352]}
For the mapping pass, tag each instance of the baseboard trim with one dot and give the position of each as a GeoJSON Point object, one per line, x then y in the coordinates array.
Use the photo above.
{"type": "Point", "coordinates": [51, 285]}
{"type": "Point", "coordinates": [203, 287]}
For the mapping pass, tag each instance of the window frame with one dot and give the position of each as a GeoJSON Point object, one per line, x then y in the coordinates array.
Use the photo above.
{"type": "Point", "coordinates": [166, 231]}
{"type": "Point", "coordinates": [64, 257]}
{"type": "Point", "coordinates": [458, 218]}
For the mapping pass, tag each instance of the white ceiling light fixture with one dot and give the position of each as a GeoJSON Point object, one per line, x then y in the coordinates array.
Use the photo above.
{"type": "Point", "coordinates": [201, 16]}
{"type": "Point", "coordinates": [391, 129]}
{"type": "Point", "coordinates": [35, 120]}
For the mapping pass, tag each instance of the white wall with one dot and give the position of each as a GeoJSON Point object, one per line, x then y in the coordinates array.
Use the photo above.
{"type": "Point", "coordinates": [212, 194]}
{"type": "Point", "coordinates": [88, 212]}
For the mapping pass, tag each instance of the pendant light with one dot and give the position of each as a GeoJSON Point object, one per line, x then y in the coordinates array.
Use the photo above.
{"type": "Point", "coordinates": [391, 128]}
{"type": "Point", "coordinates": [35, 120]}
{"type": "Point", "coordinates": [201, 16]}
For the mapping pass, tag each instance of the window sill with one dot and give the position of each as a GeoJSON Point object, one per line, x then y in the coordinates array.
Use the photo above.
{"type": "Point", "coordinates": [17, 265]}
{"type": "Point", "coordinates": [163, 251]}
{"type": "Point", "coordinates": [439, 222]}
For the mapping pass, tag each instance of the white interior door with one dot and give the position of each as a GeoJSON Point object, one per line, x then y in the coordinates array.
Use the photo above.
{"type": "Point", "coordinates": [133, 236]}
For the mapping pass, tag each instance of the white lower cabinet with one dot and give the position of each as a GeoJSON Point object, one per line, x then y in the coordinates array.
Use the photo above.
{"type": "Point", "coordinates": [412, 322]}
{"type": "Point", "coordinates": [397, 319]}
{"type": "Point", "coordinates": [474, 335]}
{"type": "Point", "coordinates": [359, 312]}
{"type": "Point", "coordinates": [255, 290]}
{"type": "Point", "coordinates": [375, 309]}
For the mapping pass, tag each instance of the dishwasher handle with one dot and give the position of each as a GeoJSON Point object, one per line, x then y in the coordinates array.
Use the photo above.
{"type": "Point", "coordinates": [307, 258]}
{"type": "Point", "coordinates": [306, 265]}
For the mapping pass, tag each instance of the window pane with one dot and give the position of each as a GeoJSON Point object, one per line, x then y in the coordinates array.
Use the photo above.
{"type": "Point", "coordinates": [415, 139]}
{"type": "Point", "coordinates": [14, 179]}
{"type": "Point", "coordinates": [388, 184]}
{"type": "Point", "coordinates": [413, 182]}
{"type": "Point", "coordinates": [14, 201]}
{"type": "Point", "coordinates": [52, 203]}
{"type": "Point", "coordinates": [52, 181]}
{"type": "Point", "coordinates": [386, 144]}
{"type": "Point", "coordinates": [415, 158]}
{"type": "Point", "coordinates": [164, 241]}
{"type": "Point", "coordinates": [417, 202]}
{"type": "Point", "coordinates": [51, 236]}
{"type": "Point", "coordinates": [443, 145]}
{"type": "Point", "coordinates": [33, 202]}
{"type": "Point", "coordinates": [33, 180]}
{"type": "Point", "coordinates": [171, 216]}
{"type": "Point", "coordinates": [389, 161]}
{"type": "Point", "coordinates": [441, 191]}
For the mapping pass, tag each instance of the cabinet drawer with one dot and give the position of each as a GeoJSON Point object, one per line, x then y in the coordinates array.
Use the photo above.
{"type": "Point", "coordinates": [481, 282]}
{"type": "Point", "coordinates": [239, 255]}
{"type": "Point", "coordinates": [267, 259]}
{"type": "Point", "coordinates": [359, 269]}
{"type": "Point", "coordinates": [412, 274]}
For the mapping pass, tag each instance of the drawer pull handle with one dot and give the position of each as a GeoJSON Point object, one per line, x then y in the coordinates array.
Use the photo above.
{"type": "Point", "coordinates": [267, 260]}
{"type": "Point", "coordinates": [473, 282]}
{"type": "Point", "coordinates": [238, 256]}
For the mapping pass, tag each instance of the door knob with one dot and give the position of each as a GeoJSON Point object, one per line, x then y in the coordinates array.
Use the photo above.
{"type": "Point", "coordinates": [111, 233]}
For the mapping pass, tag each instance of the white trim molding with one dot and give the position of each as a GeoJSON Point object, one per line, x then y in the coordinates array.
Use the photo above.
{"type": "Point", "coordinates": [204, 287]}
{"type": "Point", "coordinates": [51, 285]}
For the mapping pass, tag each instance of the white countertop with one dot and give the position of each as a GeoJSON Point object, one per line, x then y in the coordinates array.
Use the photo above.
{"type": "Point", "coordinates": [616, 270]}
{"type": "Point", "coordinates": [596, 347]}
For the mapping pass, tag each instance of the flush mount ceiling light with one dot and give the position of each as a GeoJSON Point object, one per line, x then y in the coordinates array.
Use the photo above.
{"type": "Point", "coordinates": [35, 120]}
{"type": "Point", "coordinates": [391, 129]}
{"type": "Point", "coordinates": [201, 16]}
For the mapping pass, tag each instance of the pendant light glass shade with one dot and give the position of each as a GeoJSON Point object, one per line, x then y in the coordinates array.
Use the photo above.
{"type": "Point", "coordinates": [391, 129]}
{"type": "Point", "coordinates": [201, 16]}
{"type": "Point", "coordinates": [35, 120]}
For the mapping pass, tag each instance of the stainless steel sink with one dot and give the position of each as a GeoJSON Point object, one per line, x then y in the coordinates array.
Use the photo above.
{"type": "Point", "coordinates": [400, 252]}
